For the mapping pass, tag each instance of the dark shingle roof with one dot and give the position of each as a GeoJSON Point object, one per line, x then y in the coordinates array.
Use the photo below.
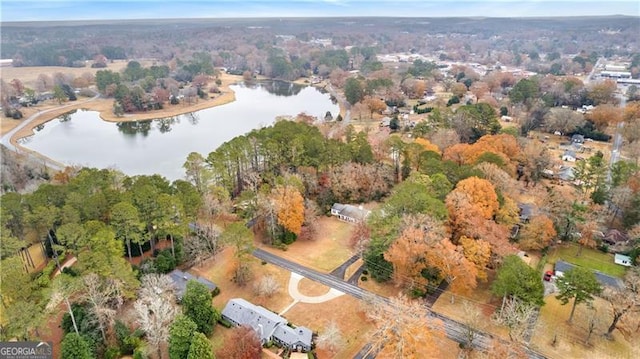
{"type": "Point", "coordinates": [562, 266]}
{"type": "Point", "coordinates": [181, 278]}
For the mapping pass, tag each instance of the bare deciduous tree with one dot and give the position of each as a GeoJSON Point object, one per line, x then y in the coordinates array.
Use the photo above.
{"type": "Point", "coordinates": [156, 308]}
{"type": "Point", "coordinates": [105, 297]}
{"type": "Point", "coordinates": [516, 316]}
{"type": "Point", "coordinates": [266, 287]}
{"type": "Point", "coordinates": [331, 338]}
{"type": "Point", "coordinates": [403, 328]}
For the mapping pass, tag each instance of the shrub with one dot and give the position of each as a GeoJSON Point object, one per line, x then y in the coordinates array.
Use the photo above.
{"type": "Point", "coordinates": [225, 323]}
{"type": "Point", "coordinates": [112, 353]}
{"type": "Point", "coordinates": [364, 278]}
{"type": "Point", "coordinates": [165, 262]}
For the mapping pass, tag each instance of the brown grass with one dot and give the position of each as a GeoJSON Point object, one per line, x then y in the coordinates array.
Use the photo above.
{"type": "Point", "coordinates": [29, 75]}
{"type": "Point", "coordinates": [479, 298]}
{"type": "Point", "coordinates": [571, 337]}
{"type": "Point", "coordinates": [328, 250]}
{"type": "Point", "coordinates": [311, 288]}
{"type": "Point", "coordinates": [346, 312]}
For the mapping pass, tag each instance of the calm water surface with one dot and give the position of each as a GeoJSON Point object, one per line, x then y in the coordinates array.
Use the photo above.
{"type": "Point", "coordinates": [161, 146]}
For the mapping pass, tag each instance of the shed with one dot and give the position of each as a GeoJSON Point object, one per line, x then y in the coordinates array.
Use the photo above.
{"type": "Point", "coordinates": [180, 280]}
{"type": "Point", "coordinates": [622, 260]}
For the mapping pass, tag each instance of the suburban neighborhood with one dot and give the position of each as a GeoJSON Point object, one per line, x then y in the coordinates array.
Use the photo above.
{"type": "Point", "coordinates": [357, 187]}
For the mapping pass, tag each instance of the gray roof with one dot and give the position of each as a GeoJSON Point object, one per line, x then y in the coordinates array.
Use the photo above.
{"type": "Point", "coordinates": [293, 337]}
{"type": "Point", "coordinates": [527, 210]}
{"type": "Point", "coordinates": [566, 173]}
{"type": "Point", "coordinates": [562, 266]}
{"type": "Point", "coordinates": [181, 278]}
{"type": "Point", "coordinates": [266, 323]}
{"type": "Point", "coordinates": [350, 211]}
{"type": "Point", "coordinates": [569, 153]}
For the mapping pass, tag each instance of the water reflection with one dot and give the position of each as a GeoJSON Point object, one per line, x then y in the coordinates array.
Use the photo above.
{"type": "Point", "coordinates": [278, 88]}
{"type": "Point", "coordinates": [133, 128]}
{"type": "Point", "coordinates": [162, 146]}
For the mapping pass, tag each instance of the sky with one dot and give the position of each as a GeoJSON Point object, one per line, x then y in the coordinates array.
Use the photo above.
{"type": "Point", "coordinates": [55, 10]}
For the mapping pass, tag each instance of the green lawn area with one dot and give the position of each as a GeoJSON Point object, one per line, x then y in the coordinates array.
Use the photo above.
{"type": "Point", "coordinates": [589, 258]}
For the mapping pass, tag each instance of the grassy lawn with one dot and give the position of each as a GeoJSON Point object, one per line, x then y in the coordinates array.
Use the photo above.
{"type": "Point", "coordinates": [590, 258]}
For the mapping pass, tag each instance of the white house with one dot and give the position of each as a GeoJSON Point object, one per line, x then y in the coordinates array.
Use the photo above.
{"type": "Point", "coordinates": [349, 213]}
{"type": "Point", "coordinates": [622, 260]}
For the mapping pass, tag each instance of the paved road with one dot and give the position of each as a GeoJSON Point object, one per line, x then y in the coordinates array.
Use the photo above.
{"type": "Point", "coordinates": [455, 330]}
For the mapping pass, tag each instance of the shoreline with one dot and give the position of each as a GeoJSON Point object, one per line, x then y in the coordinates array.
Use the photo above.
{"type": "Point", "coordinates": [104, 107]}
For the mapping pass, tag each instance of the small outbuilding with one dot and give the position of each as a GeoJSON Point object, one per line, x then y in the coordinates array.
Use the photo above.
{"type": "Point", "coordinates": [622, 260]}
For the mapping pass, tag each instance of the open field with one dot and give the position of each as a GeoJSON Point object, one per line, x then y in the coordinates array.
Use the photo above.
{"type": "Point", "coordinates": [29, 74]}
{"type": "Point", "coordinates": [589, 258]}
{"type": "Point", "coordinates": [327, 251]}
{"type": "Point", "coordinates": [571, 338]}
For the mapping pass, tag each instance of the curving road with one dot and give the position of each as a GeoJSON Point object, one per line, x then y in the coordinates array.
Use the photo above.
{"type": "Point", "coordinates": [6, 139]}
{"type": "Point", "coordinates": [454, 330]}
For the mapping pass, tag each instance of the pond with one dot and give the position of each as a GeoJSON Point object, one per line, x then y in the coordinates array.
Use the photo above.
{"type": "Point", "coordinates": [161, 146]}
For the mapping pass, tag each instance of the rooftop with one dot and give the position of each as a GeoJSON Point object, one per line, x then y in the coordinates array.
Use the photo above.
{"type": "Point", "coordinates": [180, 280]}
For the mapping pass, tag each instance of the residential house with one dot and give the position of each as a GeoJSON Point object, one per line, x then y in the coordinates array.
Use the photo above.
{"type": "Point", "coordinates": [569, 156]}
{"type": "Point", "coordinates": [622, 260]}
{"type": "Point", "coordinates": [180, 280]}
{"type": "Point", "coordinates": [577, 138]}
{"type": "Point", "coordinates": [269, 326]}
{"type": "Point", "coordinates": [606, 280]}
{"type": "Point", "coordinates": [614, 236]}
{"type": "Point", "coordinates": [566, 174]}
{"type": "Point", "coordinates": [527, 210]}
{"type": "Point", "coordinates": [349, 213]}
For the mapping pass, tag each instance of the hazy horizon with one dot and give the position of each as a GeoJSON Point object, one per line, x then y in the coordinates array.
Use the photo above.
{"type": "Point", "coordinates": [75, 10]}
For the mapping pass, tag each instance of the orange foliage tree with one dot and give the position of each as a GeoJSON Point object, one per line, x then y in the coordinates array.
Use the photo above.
{"type": "Point", "coordinates": [454, 267]}
{"type": "Point", "coordinates": [407, 255]}
{"type": "Point", "coordinates": [290, 208]}
{"type": "Point", "coordinates": [427, 145]}
{"type": "Point", "coordinates": [482, 195]}
{"type": "Point", "coordinates": [605, 115]}
{"type": "Point", "coordinates": [537, 234]}
{"type": "Point", "coordinates": [478, 252]}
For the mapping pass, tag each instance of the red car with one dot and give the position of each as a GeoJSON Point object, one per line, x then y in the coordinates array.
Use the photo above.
{"type": "Point", "coordinates": [547, 275]}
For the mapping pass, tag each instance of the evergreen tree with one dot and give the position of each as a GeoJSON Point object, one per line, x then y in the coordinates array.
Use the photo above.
{"type": "Point", "coordinates": [579, 284]}
{"type": "Point", "coordinates": [75, 347]}
{"type": "Point", "coordinates": [181, 335]}
{"type": "Point", "coordinates": [196, 304]}
{"type": "Point", "coordinates": [200, 348]}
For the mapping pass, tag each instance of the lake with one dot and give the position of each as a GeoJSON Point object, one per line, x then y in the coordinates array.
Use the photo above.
{"type": "Point", "coordinates": [161, 146]}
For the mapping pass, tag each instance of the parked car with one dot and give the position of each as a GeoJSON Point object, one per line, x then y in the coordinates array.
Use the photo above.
{"type": "Point", "coordinates": [548, 275]}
